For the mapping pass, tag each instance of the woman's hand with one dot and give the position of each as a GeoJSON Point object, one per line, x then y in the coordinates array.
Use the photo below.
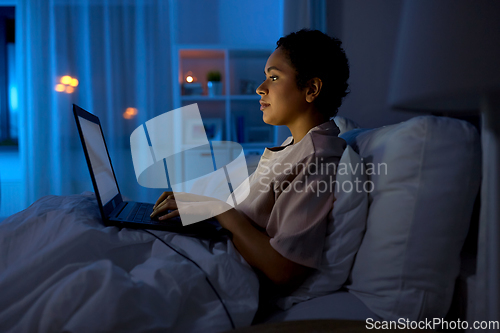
{"type": "Point", "coordinates": [165, 202]}
{"type": "Point", "coordinates": [191, 207]}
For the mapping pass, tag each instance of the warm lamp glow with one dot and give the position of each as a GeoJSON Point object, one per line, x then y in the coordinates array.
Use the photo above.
{"type": "Point", "coordinates": [66, 79]}
{"type": "Point", "coordinates": [189, 77]}
{"type": "Point", "coordinates": [67, 84]}
{"type": "Point", "coordinates": [60, 87]}
{"type": "Point", "coordinates": [130, 113]}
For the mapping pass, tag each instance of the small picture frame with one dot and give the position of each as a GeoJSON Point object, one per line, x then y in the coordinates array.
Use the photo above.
{"type": "Point", "coordinates": [194, 132]}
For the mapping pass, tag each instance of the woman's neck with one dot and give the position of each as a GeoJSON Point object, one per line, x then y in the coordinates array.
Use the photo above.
{"type": "Point", "coordinates": [300, 128]}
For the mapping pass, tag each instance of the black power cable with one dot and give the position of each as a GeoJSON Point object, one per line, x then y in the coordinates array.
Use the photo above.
{"type": "Point", "coordinates": [201, 269]}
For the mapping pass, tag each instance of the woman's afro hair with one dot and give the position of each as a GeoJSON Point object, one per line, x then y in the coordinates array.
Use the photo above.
{"type": "Point", "coordinates": [315, 54]}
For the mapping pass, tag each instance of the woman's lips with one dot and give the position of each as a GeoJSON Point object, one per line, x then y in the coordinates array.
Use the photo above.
{"type": "Point", "coordinates": [263, 106]}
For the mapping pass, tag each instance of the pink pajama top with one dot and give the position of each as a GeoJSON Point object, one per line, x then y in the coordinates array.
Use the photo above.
{"type": "Point", "coordinates": [292, 193]}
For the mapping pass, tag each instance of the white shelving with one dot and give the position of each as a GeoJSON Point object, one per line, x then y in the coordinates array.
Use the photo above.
{"type": "Point", "coordinates": [238, 103]}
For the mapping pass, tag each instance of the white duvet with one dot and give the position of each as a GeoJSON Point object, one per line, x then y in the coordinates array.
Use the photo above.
{"type": "Point", "coordinates": [62, 270]}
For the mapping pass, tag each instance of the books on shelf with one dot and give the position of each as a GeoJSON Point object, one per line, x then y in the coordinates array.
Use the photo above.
{"type": "Point", "coordinates": [192, 89]}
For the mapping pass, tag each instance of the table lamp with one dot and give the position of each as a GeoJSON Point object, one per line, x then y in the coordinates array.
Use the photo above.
{"type": "Point", "coordinates": [447, 59]}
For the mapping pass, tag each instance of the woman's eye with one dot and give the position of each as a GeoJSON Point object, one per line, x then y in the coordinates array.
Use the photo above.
{"type": "Point", "coordinates": [272, 78]}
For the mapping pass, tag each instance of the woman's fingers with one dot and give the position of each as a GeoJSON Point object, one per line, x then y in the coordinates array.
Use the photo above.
{"type": "Point", "coordinates": [162, 197]}
{"type": "Point", "coordinates": [169, 215]}
{"type": "Point", "coordinates": [165, 205]}
{"type": "Point", "coordinates": [193, 207]}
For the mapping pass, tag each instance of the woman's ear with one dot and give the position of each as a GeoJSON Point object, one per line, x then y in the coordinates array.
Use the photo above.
{"type": "Point", "coordinates": [313, 89]}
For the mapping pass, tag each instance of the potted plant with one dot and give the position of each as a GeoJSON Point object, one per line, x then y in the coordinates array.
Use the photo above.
{"type": "Point", "coordinates": [214, 84]}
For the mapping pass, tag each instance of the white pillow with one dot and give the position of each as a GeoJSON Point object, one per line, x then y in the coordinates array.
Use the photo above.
{"type": "Point", "coordinates": [345, 230]}
{"type": "Point", "coordinates": [419, 215]}
{"type": "Point", "coordinates": [345, 124]}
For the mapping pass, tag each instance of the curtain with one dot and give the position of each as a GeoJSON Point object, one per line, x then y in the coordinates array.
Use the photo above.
{"type": "Point", "coordinates": [119, 51]}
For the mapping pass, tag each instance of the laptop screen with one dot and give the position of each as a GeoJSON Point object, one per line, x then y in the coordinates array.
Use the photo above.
{"type": "Point", "coordinates": [99, 160]}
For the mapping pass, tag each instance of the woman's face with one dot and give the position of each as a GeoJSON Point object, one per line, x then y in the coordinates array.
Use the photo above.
{"type": "Point", "coordinates": [282, 103]}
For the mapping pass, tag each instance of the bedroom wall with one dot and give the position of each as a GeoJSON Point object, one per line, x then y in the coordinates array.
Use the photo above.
{"type": "Point", "coordinates": [368, 30]}
{"type": "Point", "coordinates": [229, 22]}
{"type": "Point", "coordinates": [197, 22]}
{"type": "Point", "coordinates": [250, 22]}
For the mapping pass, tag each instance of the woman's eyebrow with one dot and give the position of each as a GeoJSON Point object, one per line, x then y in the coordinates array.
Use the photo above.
{"type": "Point", "coordinates": [272, 67]}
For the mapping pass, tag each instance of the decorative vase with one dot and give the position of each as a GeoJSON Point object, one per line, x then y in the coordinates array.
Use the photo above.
{"type": "Point", "coordinates": [214, 88]}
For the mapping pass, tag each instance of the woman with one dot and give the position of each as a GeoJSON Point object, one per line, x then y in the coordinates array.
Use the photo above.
{"type": "Point", "coordinates": [279, 229]}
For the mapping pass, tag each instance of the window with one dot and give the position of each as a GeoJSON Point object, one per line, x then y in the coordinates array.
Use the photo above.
{"type": "Point", "coordinates": [8, 88]}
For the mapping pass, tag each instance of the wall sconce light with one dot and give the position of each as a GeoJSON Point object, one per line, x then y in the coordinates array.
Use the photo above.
{"type": "Point", "coordinates": [130, 113]}
{"type": "Point", "coordinates": [67, 84]}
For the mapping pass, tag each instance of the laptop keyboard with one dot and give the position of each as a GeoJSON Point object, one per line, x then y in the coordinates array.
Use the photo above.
{"type": "Point", "coordinates": [141, 212]}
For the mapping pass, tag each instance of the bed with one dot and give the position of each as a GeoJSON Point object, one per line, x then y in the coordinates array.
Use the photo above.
{"type": "Point", "coordinates": [62, 270]}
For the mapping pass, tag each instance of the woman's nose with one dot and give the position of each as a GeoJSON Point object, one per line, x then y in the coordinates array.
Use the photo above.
{"type": "Point", "coordinates": [261, 89]}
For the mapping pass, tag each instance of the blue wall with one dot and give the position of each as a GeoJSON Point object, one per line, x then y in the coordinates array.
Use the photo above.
{"type": "Point", "coordinates": [230, 22]}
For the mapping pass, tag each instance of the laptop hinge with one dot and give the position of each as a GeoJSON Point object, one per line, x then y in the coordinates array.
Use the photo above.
{"type": "Point", "coordinates": [117, 211]}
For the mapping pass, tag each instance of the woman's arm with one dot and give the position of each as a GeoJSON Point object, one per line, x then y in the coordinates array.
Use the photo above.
{"type": "Point", "coordinates": [252, 244]}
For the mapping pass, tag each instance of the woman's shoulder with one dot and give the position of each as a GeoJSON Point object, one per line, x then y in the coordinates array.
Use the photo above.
{"type": "Point", "coordinates": [323, 141]}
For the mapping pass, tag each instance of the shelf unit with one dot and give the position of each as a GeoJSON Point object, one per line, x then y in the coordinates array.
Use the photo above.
{"type": "Point", "coordinates": [238, 106]}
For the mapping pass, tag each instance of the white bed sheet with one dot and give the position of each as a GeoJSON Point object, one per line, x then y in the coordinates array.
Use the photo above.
{"type": "Point", "coordinates": [62, 270]}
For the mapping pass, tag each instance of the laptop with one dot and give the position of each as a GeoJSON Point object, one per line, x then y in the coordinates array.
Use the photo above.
{"type": "Point", "coordinates": [115, 211]}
